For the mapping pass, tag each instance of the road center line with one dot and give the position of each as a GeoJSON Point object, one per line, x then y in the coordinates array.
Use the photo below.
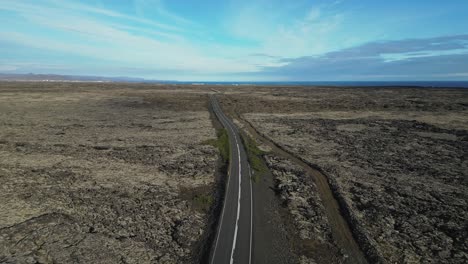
{"type": "Point", "coordinates": [238, 204]}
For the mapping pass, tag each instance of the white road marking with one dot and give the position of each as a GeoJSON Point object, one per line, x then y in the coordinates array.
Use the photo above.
{"type": "Point", "coordinates": [238, 205]}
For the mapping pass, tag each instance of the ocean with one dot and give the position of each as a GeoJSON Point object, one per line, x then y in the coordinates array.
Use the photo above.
{"type": "Point", "coordinates": [427, 84]}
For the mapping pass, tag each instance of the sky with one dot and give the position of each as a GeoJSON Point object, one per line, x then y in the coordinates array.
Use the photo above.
{"type": "Point", "coordinates": [238, 40]}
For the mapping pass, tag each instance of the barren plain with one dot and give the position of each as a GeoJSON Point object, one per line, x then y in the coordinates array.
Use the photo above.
{"type": "Point", "coordinates": [395, 158]}
{"type": "Point", "coordinates": [122, 173]}
{"type": "Point", "coordinates": [104, 173]}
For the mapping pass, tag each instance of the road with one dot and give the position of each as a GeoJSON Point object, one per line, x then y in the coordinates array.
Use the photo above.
{"type": "Point", "coordinates": [233, 241]}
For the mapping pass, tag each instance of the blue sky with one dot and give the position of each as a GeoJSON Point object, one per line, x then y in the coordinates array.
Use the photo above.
{"type": "Point", "coordinates": [242, 40]}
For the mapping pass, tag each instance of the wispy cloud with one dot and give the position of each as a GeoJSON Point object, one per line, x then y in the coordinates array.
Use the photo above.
{"type": "Point", "coordinates": [7, 68]}
{"type": "Point", "coordinates": [149, 7]}
{"type": "Point", "coordinates": [437, 57]}
{"type": "Point", "coordinates": [253, 38]}
{"type": "Point", "coordinates": [277, 33]}
{"type": "Point", "coordinates": [264, 55]}
{"type": "Point", "coordinates": [54, 6]}
{"type": "Point", "coordinates": [111, 40]}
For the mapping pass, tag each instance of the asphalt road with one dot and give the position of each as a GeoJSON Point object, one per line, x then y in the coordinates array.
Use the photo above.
{"type": "Point", "coordinates": [233, 242]}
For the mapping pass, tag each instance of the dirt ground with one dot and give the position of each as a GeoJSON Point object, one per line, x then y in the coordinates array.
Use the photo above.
{"type": "Point", "coordinates": [396, 159]}
{"type": "Point", "coordinates": [103, 173]}
{"type": "Point", "coordinates": [120, 173]}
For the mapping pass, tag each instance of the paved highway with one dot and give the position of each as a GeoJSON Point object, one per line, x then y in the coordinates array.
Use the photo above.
{"type": "Point", "coordinates": [233, 241]}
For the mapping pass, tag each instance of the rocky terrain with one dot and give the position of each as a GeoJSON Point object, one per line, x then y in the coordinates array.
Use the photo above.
{"type": "Point", "coordinates": [396, 159]}
{"type": "Point", "coordinates": [103, 173]}
{"type": "Point", "coordinates": [299, 194]}
{"type": "Point", "coordinates": [122, 173]}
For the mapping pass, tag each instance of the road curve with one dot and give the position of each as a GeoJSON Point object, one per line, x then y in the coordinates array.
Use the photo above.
{"type": "Point", "coordinates": [233, 241]}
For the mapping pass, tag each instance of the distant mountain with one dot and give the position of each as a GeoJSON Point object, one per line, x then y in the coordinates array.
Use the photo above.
{"type": "Point", "coordinates": [68, 78]}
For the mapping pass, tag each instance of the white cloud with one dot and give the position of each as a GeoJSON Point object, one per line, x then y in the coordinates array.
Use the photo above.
{"type": "Point", "coordinates": [275, 33]}
{"type": "Point", "coordinates": [170, 42]}
{"type": "Point", "coordinates": [54, 6]}
{"type": "Point", "coordinates": [74, 6]}
{"type": "Point", "coordinates": [103, 40]}
{"type": "Point", "coordinates": [313, 15]}
{"type": "Point", "coordinates": [5, 68]}
{"type": "Point", "coordinates": [144, 7]}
